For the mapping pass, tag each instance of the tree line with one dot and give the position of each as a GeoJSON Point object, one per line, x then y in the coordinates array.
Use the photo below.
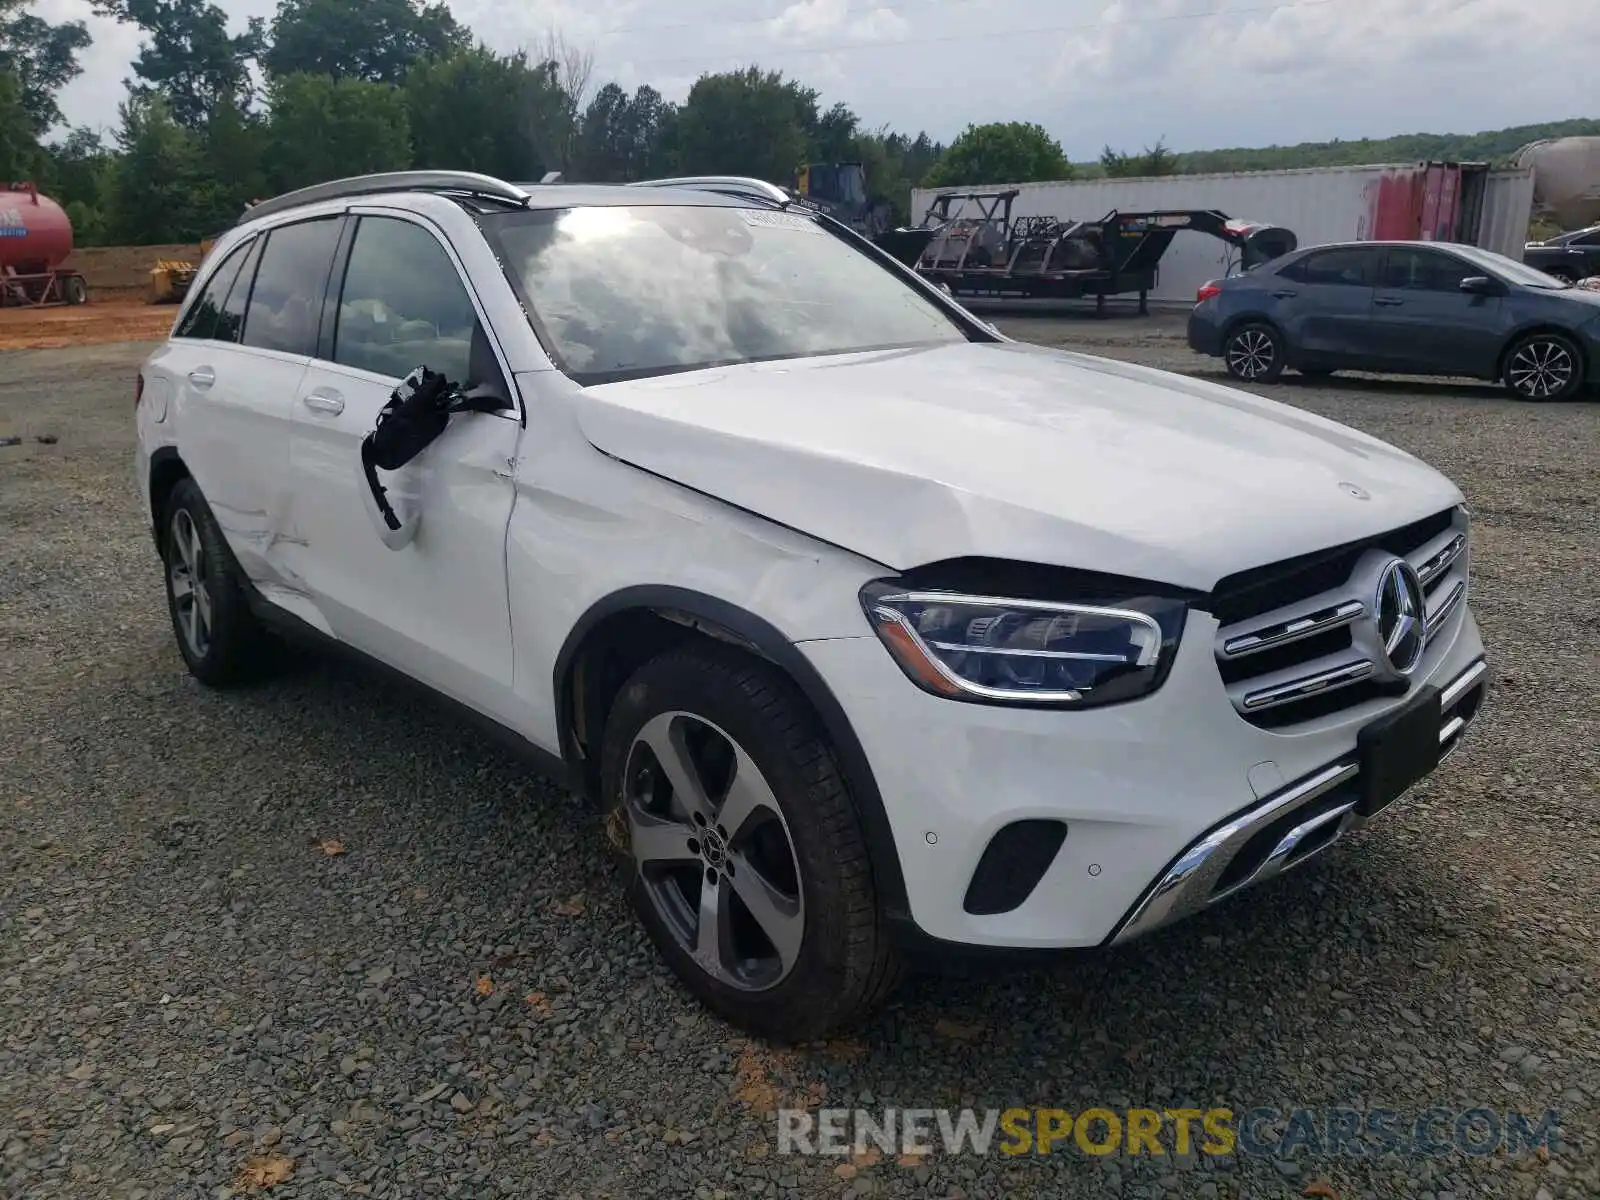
{"type": "Point", "coordinates": [214, 118]}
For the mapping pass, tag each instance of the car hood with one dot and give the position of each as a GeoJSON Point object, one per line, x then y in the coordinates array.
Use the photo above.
{"type": "Point", "coordinates": [1005, 450]}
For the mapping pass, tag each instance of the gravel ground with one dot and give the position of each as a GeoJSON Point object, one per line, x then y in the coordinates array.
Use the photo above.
{"type": "Point", "coordinates": [192, 986]}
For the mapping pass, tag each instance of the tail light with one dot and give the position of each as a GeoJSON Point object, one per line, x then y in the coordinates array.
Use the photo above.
{"type": "Point", "coordinates": [138, 389]}
{"type": "Point", "coordinates": [1207, 290]}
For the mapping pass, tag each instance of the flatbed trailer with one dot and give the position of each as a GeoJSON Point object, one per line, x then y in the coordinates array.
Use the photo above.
{"type": "Point", "coordinates": [969, 243]}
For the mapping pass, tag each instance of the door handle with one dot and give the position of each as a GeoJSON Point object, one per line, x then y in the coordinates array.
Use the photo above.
{"type": "Point", "coordinates": [1285, 295]}
{"type": "Point", "coordinates": [325, 400]}
{"type": "Point", "coordinates": [202, 377]}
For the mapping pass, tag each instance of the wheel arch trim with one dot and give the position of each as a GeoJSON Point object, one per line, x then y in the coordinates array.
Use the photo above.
{"type": "Point", "coordinates": [165, 462]}
{"type": "Point", "coordinates": [716, 617]}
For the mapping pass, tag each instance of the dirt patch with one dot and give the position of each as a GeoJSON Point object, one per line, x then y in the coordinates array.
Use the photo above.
{"type": "Point", "coordinates": [124, 319]}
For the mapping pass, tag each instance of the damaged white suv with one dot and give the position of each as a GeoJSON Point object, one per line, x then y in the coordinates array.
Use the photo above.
{"type": "Point", "coordinates": [869, 627]}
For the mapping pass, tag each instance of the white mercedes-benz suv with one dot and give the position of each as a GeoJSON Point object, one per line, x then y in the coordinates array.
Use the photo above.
{"type": "Point", "coordinates": [867, 627]}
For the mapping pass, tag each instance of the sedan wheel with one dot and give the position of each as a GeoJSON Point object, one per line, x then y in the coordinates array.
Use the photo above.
{"type": "Point", "coordinates": [1543, 366]}
{"type": "Point", "coordinates": [714, 852]}
{"type": "Point", "coordinates": [1254, 354]}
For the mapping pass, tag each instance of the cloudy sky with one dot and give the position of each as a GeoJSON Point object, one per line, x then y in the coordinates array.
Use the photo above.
{"type": "Point", "coordinates": [1201, 73]}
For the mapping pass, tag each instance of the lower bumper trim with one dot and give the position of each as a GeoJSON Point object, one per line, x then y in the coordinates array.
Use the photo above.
{"type": "Point", "coordinates": [1284, 830]}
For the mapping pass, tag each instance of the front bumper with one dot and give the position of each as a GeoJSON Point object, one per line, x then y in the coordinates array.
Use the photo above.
{"type": "Point", "coordinates": [1285, 830]}
{"type": "Point", "coordinates": [1139, 789]}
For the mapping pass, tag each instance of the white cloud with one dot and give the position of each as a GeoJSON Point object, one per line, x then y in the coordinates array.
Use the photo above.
{"type": "Point", "coordinates": [808, 21]}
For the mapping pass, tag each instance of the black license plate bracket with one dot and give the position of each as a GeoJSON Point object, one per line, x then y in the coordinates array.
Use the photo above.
{"type": "Point", "coordinates": [1397, 750]}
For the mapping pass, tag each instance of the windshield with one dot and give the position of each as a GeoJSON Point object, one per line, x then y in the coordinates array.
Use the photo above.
{"type": "Point", "coordinates": [626, 292]}
{"type": "Point", "coordinates": [1510, 269]}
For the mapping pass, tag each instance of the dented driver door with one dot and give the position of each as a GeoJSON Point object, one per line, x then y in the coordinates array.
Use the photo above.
{"type": "Point", "coordinates": [435, 607]}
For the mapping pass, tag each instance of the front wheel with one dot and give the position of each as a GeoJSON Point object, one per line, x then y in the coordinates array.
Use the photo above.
{"type": "Point", "coordinates": [744, 854]}
{"type": "Point", "coordinates": [1544, 366]}
{"type": "Point", "coordinates": [1254, 354]}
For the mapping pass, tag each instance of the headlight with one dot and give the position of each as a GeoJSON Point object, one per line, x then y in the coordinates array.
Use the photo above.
{"type": "Point", "coordinates": [1000, 651]}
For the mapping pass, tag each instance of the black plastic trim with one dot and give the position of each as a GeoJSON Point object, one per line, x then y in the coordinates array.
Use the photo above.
{"type": "Point", "coordinates": [1012, 864]}
{"type": "Point", "coordinates": [772, 645]}
{"type": "Point", "coordinates": [161, 456]}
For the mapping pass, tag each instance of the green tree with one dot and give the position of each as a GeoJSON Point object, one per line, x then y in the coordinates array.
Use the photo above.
{"type": "Point", "coordinates": [375, 40]}
{"type": "Point", "coordinates": [621, 137]}
{"type": "Point", "coordinates": [748, 122]}
{"type": "Point", "coordinates": [236, 145]}
{"type": "Point", "coordinates": [1156, 160]}
{"type": "Point", "coordinates": [834, 136]}
{"type": "Point", "coordinates": [190, 58]}
{"type": "Point", "coordinates": [1014, 152]}
{"type": "Point", "coordinates": [19, 149]}
{"type": "Point", "coordinates": [470, 112]}
{"type": "Point", "coordinates": [324, 128]}
{"type": "Point", "coordinates": [41, 57]}
{"type": "Point", "coordinates": [161, 189]}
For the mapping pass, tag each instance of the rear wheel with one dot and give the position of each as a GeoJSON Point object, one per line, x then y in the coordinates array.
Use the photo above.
{"type": "Point", "coordinates": [744, 855]}
{"type": "Point", "coordinates": [1544, 366]}
{"type": "Point", "coordinates": [1254, 354]}
{"type": "Point", "coordinates": [219, 637]}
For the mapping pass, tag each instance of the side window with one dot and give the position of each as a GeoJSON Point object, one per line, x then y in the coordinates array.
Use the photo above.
{"type": "Point", "coordinates": [404, 306]}
{"type": "Point", "coordinates": [286, 302]}
{"type": "Point", "coordinates": [1592, 238]}
{"type": "Point", "coordinates": [230, 321]}
{"type": "Point", "coordinates": [1348, 266]}
{"type": "Point", "coordinates": [201, 319]}
{"type": "Point", "coordinates": [1424, 271]}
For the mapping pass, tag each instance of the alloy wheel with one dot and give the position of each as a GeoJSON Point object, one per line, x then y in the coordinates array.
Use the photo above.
{"type": "Point", "coordinates": [1251, 353]}
{"type": "Point", "coordinates": [186, 576]}
{"type": "Point", "coordinates": [713, 851]}
{"type": "Point", "coordinates": [1540, 368]}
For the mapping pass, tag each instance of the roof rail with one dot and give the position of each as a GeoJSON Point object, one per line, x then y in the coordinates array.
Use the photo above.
{"type": "Point", "coordinates": [727, 185]}
{"type": "Point", "coordinates": [463, 182]}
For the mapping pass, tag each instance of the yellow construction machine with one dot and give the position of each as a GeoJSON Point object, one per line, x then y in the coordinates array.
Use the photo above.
{"type": "Point", "coordinates": [170, 277]}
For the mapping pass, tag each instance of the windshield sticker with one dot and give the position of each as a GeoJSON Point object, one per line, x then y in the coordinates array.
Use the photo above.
{"type": "Point", "coordinates": [762, 219]}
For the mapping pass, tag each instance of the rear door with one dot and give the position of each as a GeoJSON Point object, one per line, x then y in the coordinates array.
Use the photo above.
{"type": "Point", "coordinates": [237, 360]}
{"type": "Point", "coordinates": [1323, 303]}
{"type": "Point", "coordinates": [435, 607]}
{"type": "Point", "coordinates": [1425, 323]}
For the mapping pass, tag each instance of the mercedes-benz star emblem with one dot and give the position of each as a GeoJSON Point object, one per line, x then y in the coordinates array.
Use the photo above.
{"type": "Point", "coordinates": [1402, 616]}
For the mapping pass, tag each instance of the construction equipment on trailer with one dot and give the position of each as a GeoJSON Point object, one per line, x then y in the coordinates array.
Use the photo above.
{"type": "Point", "coordinates": [35, 239]}
{"type": "Point", "coordinates": [969, 242]}
{"type": "Point", "coordinates": [840, 190]}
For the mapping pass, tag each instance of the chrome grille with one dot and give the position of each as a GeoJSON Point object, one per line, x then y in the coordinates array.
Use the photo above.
{"type": "Point", "coordinates": [1299, 640]}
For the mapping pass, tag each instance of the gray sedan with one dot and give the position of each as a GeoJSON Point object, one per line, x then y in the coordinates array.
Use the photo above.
{"type": "Point", "coordinates": [1405, 308]}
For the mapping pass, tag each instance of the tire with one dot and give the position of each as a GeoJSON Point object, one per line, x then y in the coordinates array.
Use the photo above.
{"type": "Point", "coordinates": [1544, 367]}
{"type": "Point", "coordinates": [799, 845]}
{"type": "Point", "coordinates": [1254, 353]}
{"type": "Point", "coordinates": [220, 639]}
{"type": "Point", "coordinates": [75, 289]}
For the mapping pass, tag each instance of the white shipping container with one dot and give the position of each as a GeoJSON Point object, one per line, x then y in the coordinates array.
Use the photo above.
{"type": "Point", "coordinates": [1319, 204]}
